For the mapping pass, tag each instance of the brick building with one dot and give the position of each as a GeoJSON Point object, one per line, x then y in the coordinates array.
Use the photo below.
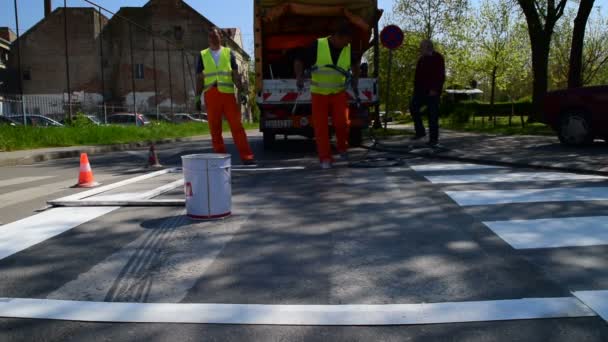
{"type": "Point", "coordinates": [7, 36]}
{"type": "Point", "coordinates": [164, 61]}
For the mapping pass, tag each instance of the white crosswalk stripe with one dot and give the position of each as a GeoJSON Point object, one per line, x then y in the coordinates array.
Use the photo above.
{"type": "Point", "coordinates": [21, 180]}
{"type": "Point", "coordinates": [538, 233]}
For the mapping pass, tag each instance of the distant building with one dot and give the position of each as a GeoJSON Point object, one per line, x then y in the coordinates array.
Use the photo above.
{"type": "Point", "coordinates": [7, 36]}
{"type": "Point", "coordinates": [96, 43]}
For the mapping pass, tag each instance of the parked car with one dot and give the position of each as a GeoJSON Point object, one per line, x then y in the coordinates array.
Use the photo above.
{"type": "Point", "coordinates": [201, 116]}
{"type": "Point", "coordinates": [183, 117]}
{"type": "Point", "coordinates": [128, 119]}
{"type": "Point", "coordinates": [578, 115]}
{"type": "Point", "coordinates": [36, 120]}
{"type": "Point", "coordinates": [4, 121]}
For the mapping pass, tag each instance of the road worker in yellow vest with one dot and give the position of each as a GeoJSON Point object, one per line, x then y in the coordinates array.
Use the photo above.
{"type": "Point", "coordinates": [217, 75]}
{"type": "Point", "coordinates": [330, 58]}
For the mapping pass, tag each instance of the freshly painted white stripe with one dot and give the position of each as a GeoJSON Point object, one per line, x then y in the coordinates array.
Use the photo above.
{"type": "Point", "coordinates": [21, 180]}
{"type": "Point", "coordinates": [452, 167]}
{"type": "Point", "coordinates": [489, 197]}
{"type": "Point", "coordinates": [389, 314]}
{"type": "Point", "coordinates": [553, 233]}
{"type": "Point", "coordinates": [22, 234]}
{"type": "Point", "coordinates": [511, 177]}
{"type": "Point", "coordinates": [113, 186]}
{"type": "Point", "coordinates": [596, 300]}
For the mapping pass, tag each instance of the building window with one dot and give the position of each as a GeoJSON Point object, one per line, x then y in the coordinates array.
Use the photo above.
{"type": "Point", "coordinates": [27, 75]}
{"type": "Point", "coordinates": [139, 71]}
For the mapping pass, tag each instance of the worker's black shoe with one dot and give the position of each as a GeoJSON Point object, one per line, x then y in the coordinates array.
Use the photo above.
{"type": "Point", "coordinates": [250, 162]}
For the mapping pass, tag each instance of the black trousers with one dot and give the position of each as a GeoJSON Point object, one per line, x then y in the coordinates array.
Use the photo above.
{"type": "Point", "coordinates": [432, 104]}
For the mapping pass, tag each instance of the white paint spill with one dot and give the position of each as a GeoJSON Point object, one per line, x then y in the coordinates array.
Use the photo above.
{"type": "Point", "coordinates": [490, 197]}
{"type": "Point", "coordinates": [596, 300]}
{"type": "Point", "coordinates": [22, 234]}
{"type": "Point", "coordinates": [511, 177]}
{"type": "Point", "coordinates": [452, 167]}
{"type": "Point", "coordinates": [553, 233]}
{"type": "Point", "coordinates": [389, 314]}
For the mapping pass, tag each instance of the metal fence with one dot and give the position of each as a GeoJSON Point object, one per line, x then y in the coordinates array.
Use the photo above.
{"type": "Point", "coordinates": [134, 66]}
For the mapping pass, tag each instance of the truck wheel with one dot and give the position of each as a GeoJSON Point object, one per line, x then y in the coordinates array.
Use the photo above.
{"type": "Point", "coordinates": [575, 129]}
{"type": "Point", "coordinates": [355, 137]}
{"type": "Point", "coordinates": [269, 139]}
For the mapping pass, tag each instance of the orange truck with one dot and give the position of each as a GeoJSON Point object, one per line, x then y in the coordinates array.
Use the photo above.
{"type": "Point", "coordinates": [282, 29]}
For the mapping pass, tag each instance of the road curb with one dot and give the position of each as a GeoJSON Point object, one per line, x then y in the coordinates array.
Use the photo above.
{"type": "Point", "coordinates": [36, 157]}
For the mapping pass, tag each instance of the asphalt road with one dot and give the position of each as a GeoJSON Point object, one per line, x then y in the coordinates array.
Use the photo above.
{"type": "Point", "coordinates": [379, 232]}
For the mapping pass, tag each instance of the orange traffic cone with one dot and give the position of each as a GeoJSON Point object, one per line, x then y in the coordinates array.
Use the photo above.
{"type": "Point", "coordinates": [153, 158]}
{"type": "Point", "coordinates": [85, 179]}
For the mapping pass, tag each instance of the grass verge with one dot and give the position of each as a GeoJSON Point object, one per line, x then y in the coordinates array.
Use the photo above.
{"type": "Point", "coordinates": [23, 138]}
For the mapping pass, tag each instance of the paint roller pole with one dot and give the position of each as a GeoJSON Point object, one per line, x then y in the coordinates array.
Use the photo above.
{"type": "Point", "coordinates": [67, 56]}
{"type": "Point", "coordinates": [132, 73]}
{"type": "Point", "coordinates": [388, 89]}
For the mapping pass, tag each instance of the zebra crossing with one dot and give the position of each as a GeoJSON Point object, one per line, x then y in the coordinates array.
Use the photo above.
{"type": "Point", "coordinates": [502, 187]}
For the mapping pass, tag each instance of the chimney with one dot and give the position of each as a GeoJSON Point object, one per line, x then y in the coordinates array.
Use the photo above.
{"type": "Point", "coordinates": [47, 8]}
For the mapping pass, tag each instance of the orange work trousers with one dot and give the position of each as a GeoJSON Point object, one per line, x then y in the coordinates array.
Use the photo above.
{"type": "Point", "coordinates": [323, 106]}
{"type": "Point", "coordinates": [219, 104]}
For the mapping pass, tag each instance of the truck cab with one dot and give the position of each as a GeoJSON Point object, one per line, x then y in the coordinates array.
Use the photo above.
{"type": "Point", "coordinates": [282, 30]}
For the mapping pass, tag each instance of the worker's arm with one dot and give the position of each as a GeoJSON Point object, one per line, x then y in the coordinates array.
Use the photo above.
{"type": "Point", "coordinates": [237, 80]}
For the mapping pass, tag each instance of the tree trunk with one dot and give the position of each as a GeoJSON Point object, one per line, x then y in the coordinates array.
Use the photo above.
{"type": "Point", "coordinates": [493, 94]}
{"type": "Point", "coordinates": [575, 77]}
{"type": "Point", "coordinates": [540, 65]}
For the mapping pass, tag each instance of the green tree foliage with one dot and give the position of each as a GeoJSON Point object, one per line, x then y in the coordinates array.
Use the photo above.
{"type": "Point", "coordinates": [595, 51]}
{"type": "Point", "coordinates": [429, 17]}
{"type": "Point", "coordinates": [501, 44]}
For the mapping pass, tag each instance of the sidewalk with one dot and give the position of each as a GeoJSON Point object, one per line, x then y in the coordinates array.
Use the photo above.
{"type": "Point", "coordinates": [26, 157]}
{"type": "Point", "coordinates": [525, 151]}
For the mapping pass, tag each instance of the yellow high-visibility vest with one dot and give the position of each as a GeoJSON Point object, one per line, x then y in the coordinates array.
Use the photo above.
{"type": "Point", "coordinates": [328, 81]}
{"type": "Point", "coordinates": [221, 74]}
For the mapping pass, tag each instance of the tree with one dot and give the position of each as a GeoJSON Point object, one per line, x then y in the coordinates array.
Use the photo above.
{"type": "Point", "coordinates": [578, 40]}
{"type": "Point", "coordinates": [595, 51]}
{"type": "Point", "coordinates": [497, 28]}
{"type": "Point", "coordinates": [429, 17]}
{"type": "Point", "coordinates": [541, 16]}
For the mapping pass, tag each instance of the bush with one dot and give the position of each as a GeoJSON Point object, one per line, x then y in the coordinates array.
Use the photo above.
{"type": "Point", "coordinates": [462, 115]}
{"type": "Point", "coordinates": [80, 120]}
{"type": "Point", "coordinates": [477, 108]}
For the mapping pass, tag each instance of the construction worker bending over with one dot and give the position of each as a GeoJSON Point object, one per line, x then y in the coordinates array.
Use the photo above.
{"type": "Point", "coordinates": [330, 58]}
{"type": "Point", "coordinates": [217, 75]}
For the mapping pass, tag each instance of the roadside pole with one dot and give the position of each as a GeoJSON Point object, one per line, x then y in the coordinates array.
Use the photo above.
{"type": "Point", "coordinates": [391, 38]}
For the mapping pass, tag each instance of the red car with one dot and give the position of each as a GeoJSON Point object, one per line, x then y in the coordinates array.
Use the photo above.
{"type": "Point", "coordinates": [578, 115]}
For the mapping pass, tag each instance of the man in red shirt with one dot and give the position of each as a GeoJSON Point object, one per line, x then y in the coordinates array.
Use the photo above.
{"type": "Point", "coordinates": [428, 85]}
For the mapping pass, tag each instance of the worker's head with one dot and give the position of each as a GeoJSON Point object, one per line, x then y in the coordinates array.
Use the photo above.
{"type": "Point", "coordinates": [426, 47]}
{"type": "Point", "coordinates": [215, 38]}
{"type": "Point", "coordinates": [343, 35]}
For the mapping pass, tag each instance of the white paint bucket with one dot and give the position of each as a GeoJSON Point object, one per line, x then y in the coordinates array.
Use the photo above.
{"type": "Point", "coordinates": [207, 186]}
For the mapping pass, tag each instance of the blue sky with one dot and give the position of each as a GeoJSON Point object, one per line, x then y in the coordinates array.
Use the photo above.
{"type": "Point", "coordinates": [227, 13]}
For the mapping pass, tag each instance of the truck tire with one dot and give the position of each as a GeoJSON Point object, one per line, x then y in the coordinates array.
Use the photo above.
{"type": "Point", "coordinates": [355, 136]}
{"type": "Point", "coordinates": [575, 129]}
{"type": "Point", "coordinates": [269, 139]}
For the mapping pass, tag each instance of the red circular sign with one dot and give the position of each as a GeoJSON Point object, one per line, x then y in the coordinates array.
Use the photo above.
{"type": "Point", "coordinates": [391, 37]}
